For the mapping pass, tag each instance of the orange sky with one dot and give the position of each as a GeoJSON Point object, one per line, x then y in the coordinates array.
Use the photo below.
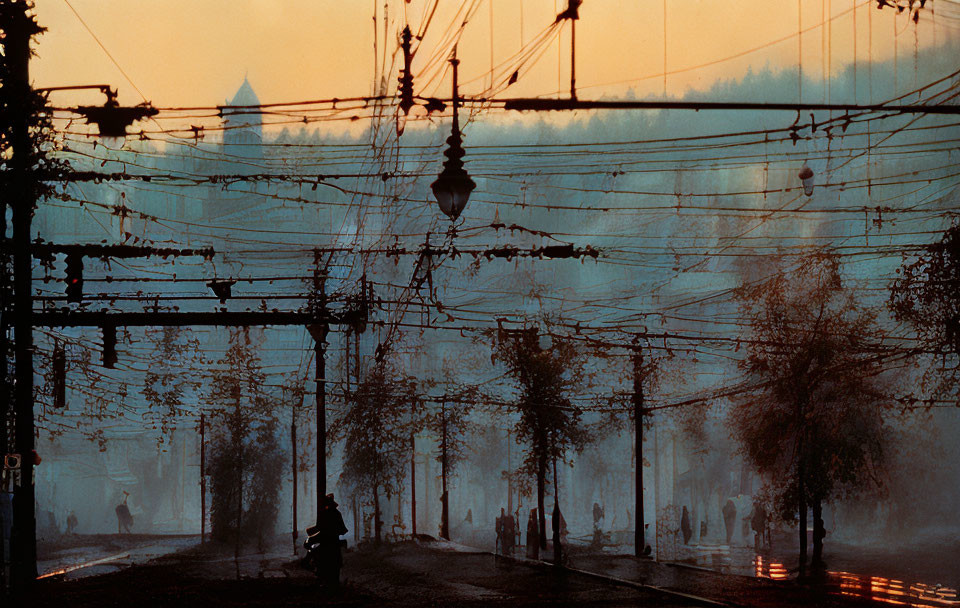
{"type": "Point", "coordinates": [196, 52]}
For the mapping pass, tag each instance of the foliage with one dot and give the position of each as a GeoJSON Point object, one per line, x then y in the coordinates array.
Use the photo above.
{"type": "Point", "coordinates": [376, 430]}
{"type": "Point", "coordinates": [245, 461]}
{"type": "Point", "coordinates": [926, 294]}
{"type": "Point", "coordinates": [165, 384]}
{"type": "Point", "coordinates": [40, 161]}
{"type": "Point", "coordinates": [449, 420]}
{"type": "Point", "coordinates": [549, 424]}
{"type": "Point", "coordinates": [816, 414]}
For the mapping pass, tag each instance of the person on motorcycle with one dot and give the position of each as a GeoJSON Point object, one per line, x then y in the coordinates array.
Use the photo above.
{"type": "Point", "coordinates": [323, 543]}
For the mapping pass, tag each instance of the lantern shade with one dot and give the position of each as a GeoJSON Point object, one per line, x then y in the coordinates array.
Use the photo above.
{"type": "Point", "coordinates": [452, 190]}
{"type": "Point", "coordinates": [806, 178]}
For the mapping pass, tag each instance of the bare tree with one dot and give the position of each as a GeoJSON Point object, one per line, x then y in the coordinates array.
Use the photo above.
{"type": "Point", "coordinates": [814, 424]}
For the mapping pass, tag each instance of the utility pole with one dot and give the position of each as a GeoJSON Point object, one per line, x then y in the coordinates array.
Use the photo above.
{"type": "Point", "coordinates": [18, 29]}
{"type": "Point", "coordinates": [6, 389]}
{"type": "Point", "coordinates": [406, 74]}
{"type": "Point", "coordinates": [293, 467]}
{"type": "Point", "coordinates": [445, 512]}
{"type": "Point", "coordinates": [319, 332]}
{"type": "Point", "coordinates": [572, 6]}
{"type": "Point", "coordinates": [203, 480]}
{"type": "Point", "coordinates": [639, 540]}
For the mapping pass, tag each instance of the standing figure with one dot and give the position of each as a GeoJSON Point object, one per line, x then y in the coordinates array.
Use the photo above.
{"type": "Point", "coordinates": [533, 536]}
{"type": "Point", "coordinates": [758, 522]}
{"type": "Point", "coordinates": [509, 531]}
{"type": "Point", "coordinates": [72, 523]}
{"type": "Point", "coordinates": [685, 526]}
{"type": "Point", "coordinates": [597, 531]}
{"type": "Point", "coordinates": [466, 528]}
{"type": "Point", "coordinates": [124, 518]}
{"type": "Point", "coordinates": [323, 543]}
{"type": "Point", "coordinates": [729, 518]}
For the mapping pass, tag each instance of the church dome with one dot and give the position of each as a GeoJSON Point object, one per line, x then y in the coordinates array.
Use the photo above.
{"type": "Point", "coordinates": [245, 96]}
{"type": "Point", "coordinates": [243, 125]}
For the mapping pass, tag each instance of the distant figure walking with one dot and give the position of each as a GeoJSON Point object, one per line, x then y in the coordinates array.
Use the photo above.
{"type": "Point", "coordinates": [758, 522]}
{"type": "Point", "coordinates": [124, 519]}
{"type": "Point", "coordinates": [597, 530]}
{"type": "Point", "coordinates": [508, 530]}
{"type": "Point", "coordinates": [533, 536]}
{"type": "Point", "coordinates": [72, 523]}
{"type": "Point", "coordinates": [466, 528]}
{"type": "Point", "coordinates": [685, 526]}
{"type": "Point", "coordinates": [729, 518]}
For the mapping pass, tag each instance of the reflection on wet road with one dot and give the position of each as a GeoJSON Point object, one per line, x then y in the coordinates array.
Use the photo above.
{"type": "Point", "coordinates": [747, 562]}
{"type": "Point", "coordinates": [875, 588]}
{"type": "Point", "coordinates": [769, 569]}
{"type": "Point", "coordinates": [892, 591]}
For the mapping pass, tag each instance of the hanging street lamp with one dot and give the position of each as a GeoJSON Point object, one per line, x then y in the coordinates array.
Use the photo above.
{"type": "Point", "coordinates": [806, 178]}
{"type": "Point", "coordinates": [453, 186]}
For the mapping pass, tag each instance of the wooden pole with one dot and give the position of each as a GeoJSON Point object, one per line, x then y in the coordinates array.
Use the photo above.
{"type": "Point", "coordinates": [203, 480]}
{"type": "Point", "coordinates": [293, 467]}
{"type": "Point", "coordinates": [444, 499]}
{"type": "Point", "coordinates": [639, 540]}
{"type": "Point", "coordinates": [18, 27]}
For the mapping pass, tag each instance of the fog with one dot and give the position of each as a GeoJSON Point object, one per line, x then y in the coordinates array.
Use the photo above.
{"type": "Point", "coordinates": [679, 223]}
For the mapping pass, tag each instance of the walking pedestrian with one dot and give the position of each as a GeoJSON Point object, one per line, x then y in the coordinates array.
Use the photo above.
{"type": "Point", "coordinates": [533, 536]}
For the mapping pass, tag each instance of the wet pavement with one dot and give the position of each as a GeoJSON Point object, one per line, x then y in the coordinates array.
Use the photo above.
{"type": "Point", "coordinates": [742, 576]}
{"type": "Point", "coordinates": [175, 570]}
{"type": "Point", "coordinates": [77, 556]}
{"type": "Point", "coordinates": [404, 574]}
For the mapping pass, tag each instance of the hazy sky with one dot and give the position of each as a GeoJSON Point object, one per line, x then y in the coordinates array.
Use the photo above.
{"type": "Point", "coordinates": [190, 52]}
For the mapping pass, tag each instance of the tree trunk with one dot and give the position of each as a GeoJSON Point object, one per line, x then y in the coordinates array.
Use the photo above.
{"type": "Point", "coordinates": [541, 481]}
{"type": "Point", "coordinates": [413, 484]}
{"type": "Point", "coordinates": [818, 534]}
{"type": "Point", "coordinates": [557, 548]}
{"type": "Point", "coordinates": [802, 507]}
{"type": "Point", "coordinates": [239, 443]}
{"type": "Point", "coordinates": [293, 467]}
{"type": "Point", "coordinates": [236, 544]}
{"type": "Point", "coordinates": [376, 516]}
{"type": "Point", "coordinates": [356, 521]}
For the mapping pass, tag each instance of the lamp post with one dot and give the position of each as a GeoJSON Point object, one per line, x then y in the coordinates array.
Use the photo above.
{"type": "Point", "coordinates": [453, 186]}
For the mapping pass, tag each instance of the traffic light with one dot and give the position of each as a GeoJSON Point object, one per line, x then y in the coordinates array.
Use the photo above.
{"type": "Point", "coordinates": [74, 277]}
{"type": "Point", "coordinates": [109, 345]}
{"type": "Point", "coordinates": [405, 90]}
